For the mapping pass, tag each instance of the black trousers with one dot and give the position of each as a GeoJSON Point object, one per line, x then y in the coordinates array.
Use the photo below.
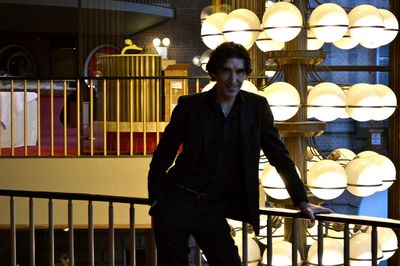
{"type": "Point", "coordinates": [179, 216]}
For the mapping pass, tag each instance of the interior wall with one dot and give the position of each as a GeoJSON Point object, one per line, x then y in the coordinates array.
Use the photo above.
{"type": "Point", "coordinates": [106, 176]}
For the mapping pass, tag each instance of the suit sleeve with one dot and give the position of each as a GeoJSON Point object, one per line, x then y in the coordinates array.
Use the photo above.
{"type": "Point", "coordinates": [278, 156]}
{"type": "Point", "coordinates": [166, 151]}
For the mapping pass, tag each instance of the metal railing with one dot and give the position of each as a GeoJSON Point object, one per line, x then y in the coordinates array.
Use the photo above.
{"type": "Point", "coordinates": [294, 216]}
{"type": "Point", "coordinates": [71, 198]}
{"type": "Point", "coordinates": [163, 3]}
{"type": "Point", "coordinates": [76, 117]}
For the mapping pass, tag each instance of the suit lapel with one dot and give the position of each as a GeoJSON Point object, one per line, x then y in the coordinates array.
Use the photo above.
{"type": "Point", "coordinates": [246, 121]}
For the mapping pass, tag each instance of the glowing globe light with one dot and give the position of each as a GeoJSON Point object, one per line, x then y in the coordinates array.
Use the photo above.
{"type": "Point", "coordinates": [388, 241]}
{"type": "Point", "coordinates": [265, 43]}
{"type": "Point", "coordinates": [281, 254]}
{"type": "Point", "coordinates": [391, 27]}
{"type": "Point", "coordinates": [242, 26]}
{"type": "Point", "coordinates": [209, 86]}
{"type": "Point", "coordinates": [283, 99]}
{"type": "Point", "coordinates": [249, 87]}
{"type": "Point", "coordinates": [362, 102]}
{"type": "Point", "coordinates": [387, 170]}
{"type": "Point", "coordinates": [204, 59]}
{"type": "Point", "coordinates": [282, 21]}
{"type": "Point", "coordinates": [329, 22]}
{"type": "Point", "coordinates": [327, 179]}
{"type": "Point", "coordinates": [211, 30]}
{"type": "Point", "coordinates": [278, 230]}
{"type": "Point", "coordinates": [205, 12]}
{"type": "Point", "coordinates": [253, 250]}
{"type": "Point", "coordinates": [332, 254]}
{"type": "Point", "coordinates": [360, 250]}
{"type": "Point", "coordinates": [312, 42]}
{"type": "Point", "coordinates": [312, 233]}
{"type": "Point", "coordinates": [273, 183]}
{"type": "Point", "coordinates": [388, 100]}
{"type": "Point", "coordinates": [365, 24]}
{"type": "Point", "coordinates": [327, 101]}
{"type": "Point", "coordinates": [342, 156]}
{"type": "Point", "coordinates": [362, 177]}
{"type": "Point", "coordinates": [346, 42]}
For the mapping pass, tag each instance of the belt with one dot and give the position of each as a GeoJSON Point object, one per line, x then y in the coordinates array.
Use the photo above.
{"type": "Point", "coordinates": [194, 195]}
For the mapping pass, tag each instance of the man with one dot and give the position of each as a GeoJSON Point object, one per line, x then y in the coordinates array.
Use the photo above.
{"type": "Point", "coordinates": [216, 174]}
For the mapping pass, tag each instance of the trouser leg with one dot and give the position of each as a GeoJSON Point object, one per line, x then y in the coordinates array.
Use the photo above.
{"type": "Point", "coordinates": [212, 234]}
{"type": "Point", "coordinates": [171, 242]}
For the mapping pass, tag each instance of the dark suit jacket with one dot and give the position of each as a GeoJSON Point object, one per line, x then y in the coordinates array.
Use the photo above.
{"type": "Point", "coordinates": [189, 127]}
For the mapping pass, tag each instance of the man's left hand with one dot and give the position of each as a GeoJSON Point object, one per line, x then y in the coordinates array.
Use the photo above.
{"type": "Point", "coordinates": [310, 209]}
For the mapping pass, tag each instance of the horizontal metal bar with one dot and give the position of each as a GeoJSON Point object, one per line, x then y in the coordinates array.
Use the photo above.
{"type": "Point", "coordinates": [73, 196]}
{"type": "Point", "coordinates": [334, 217]}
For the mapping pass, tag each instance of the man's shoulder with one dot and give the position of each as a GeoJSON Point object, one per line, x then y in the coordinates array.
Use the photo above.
{"type": "Point", "coordinates": [253, 97]}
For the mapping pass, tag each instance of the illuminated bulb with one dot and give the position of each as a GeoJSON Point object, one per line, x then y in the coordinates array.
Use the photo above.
{"type": "Point", "coordinates": [362, 102]}
{"type": "Point", "coordinates": [388, 241]}
{"type": "Point", "coordinates": [209, 86]}
{"type": "Point", "coordinates": [391, 26]}
{"type": "Point", "coordinates": [211, 30]}
{"type": "Point", "coordinates": [327, 179]}
{"type": "Point", "coordinates": [346, 42]}
{"type": "Point", "coordinates": [253, 250]}
{"type": "Point", "coordinates": [249, 87]}
{"type": "Point", "coordinates": [389, 102]}
{"type": "Point", "coordinates": [196, 60]}
{"type": "Point", "coordinates": [282, 21]}
{"type": "Point", "coordinates": [329, 101]}
{"type": "Point", "coordinates": [281, 254]}
{"type": "Point", "coordinates": [156, 42]}
{"type": "Point", "coordinates": [360, 250]}
{"type": "Point", "coordinates": [329, 22]}
{"type": "Point", "coordinates": [242, 26]}
{"type": "Point", "coordinates": [387, 170]}
{"type": "Point", "coordinates": [278, 233]}
{"type": "Point", "coordinates": [312, 42]}
{"type": "Point", "coordinates": [246, 86]}
{"type": "Point", "coordinates": [332, 254]}
{"type": "Point", "coordinates": [204, 59]}
{"type": "Point", "coordinates": [265, 43]}
{"type": "Point", "coordinates": [362, 177]}
{"type": "Point", "coordinates": [166, 41]}
{"type": "Point", "coordinates": [365, 24]}
{"type": "Point", "coordinates": [283, 99]}
{"type": "Point", "coordinates": [273, 183]}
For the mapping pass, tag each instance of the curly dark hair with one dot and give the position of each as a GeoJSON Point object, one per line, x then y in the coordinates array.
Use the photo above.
{"type": "Point", "coordinates": [224, 52]}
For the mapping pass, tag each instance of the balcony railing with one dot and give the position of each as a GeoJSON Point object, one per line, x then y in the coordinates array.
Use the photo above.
{"type": "Point", "coordinates": [87, 117]}
{"type": "Point", "coordinates": [163, 3]}
{"type": "Point", "coordinates": [295, 217]}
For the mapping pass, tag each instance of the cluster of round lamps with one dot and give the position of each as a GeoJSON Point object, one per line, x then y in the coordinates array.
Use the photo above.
{"type": "Point", "coordinates": [333, 245]}
{"type": "Point", "coordinates": [327, 101]}
{"type": "Point", "coordinates": [282, 22]}
{"type": "Point", "coordinates": [362, 175]}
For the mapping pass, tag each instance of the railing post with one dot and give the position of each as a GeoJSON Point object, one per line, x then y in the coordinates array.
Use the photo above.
{"type": "Point", "coordinates": [31, 232]}
{"type": "Point", "coordinates": [132, 234]}
{"type": "Point", "coordinates": [91, 233]}
{"type": "Point", "coordinates": [245, 257]}
{"type": "Point", "coordinates": [51, 234]}
{"type": "Point", "coordinates": [374, 246]}
{"type": "Point", "coordinates": [71, 234]}
{"type": "Point", "coordinates": [320, 242]}
{"type": "Point", "coordinates": [269, 240]}
{"type": "Point", "coordinates": [346, 245]}
{"type": "Point", "coordinates": [295, 240]}
{"type": "Point", "coordinates": [13, 232]}
{"type": "Point", "coordinates": [111, 249]}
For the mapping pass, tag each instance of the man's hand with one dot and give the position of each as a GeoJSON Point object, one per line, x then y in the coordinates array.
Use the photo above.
{"type": "Point", "coordinates": [310, 209]}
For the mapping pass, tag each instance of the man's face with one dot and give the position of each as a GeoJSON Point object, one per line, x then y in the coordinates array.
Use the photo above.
{"type": "Point", "coordinates": [230, 78]}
